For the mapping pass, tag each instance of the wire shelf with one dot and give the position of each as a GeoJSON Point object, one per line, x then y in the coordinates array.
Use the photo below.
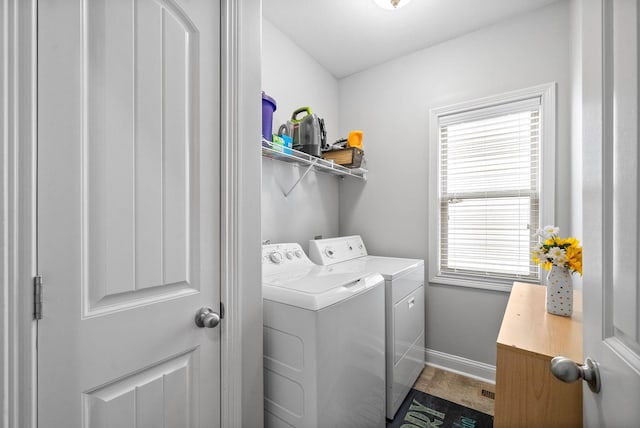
{"type": "Point", "coordinates": [312, 161]}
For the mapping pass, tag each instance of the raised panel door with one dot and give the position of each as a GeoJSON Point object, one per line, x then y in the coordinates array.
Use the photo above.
{"type": "Point", "coordinates": [128, 212]}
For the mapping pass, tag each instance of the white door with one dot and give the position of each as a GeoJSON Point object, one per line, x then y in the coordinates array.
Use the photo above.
{"type": "Point", "coordinates": [128, 212]}
{"type": "Point", "coordinates": [611, 217]}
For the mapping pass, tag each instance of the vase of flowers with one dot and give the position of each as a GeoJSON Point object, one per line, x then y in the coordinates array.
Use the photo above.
{"type": "Point", "coordinates": [561, 257]}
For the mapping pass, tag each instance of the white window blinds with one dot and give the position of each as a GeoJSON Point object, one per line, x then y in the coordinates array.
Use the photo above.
{"type": "Point", "coordinates": [489, 190]}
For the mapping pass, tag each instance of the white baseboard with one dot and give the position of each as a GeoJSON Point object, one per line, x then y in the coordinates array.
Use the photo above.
{"type": "Point", "coordinates": [464, 366]}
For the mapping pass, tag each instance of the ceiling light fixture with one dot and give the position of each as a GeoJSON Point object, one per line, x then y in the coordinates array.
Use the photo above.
{"type": "Point", "coordinates": [391, 4]}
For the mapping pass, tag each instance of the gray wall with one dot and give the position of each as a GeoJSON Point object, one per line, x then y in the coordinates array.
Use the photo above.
{"type": "Point", "coordinates": [391, 104]}
{"type": "Point", "coordinates": [294, 79]}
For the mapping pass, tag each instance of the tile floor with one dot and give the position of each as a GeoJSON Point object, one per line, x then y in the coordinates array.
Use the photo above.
{"type": "Point", "coordinates": [457, 388]}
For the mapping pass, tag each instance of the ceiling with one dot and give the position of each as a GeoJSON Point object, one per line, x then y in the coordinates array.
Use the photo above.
{"type": "Point", "coordinates": [348, 36]}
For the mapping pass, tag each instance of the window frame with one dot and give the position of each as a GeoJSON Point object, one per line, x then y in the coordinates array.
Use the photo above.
{"type": "Point", "coordinates": [547, 95]}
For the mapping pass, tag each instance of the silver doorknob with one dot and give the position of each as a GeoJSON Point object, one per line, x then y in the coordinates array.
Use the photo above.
{"type": "Point", "coordinates": [567, 371]}
{"type": "Point", "coordinates": [206, 317]}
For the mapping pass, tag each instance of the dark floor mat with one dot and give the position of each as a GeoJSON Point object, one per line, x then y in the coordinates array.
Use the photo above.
{"type": "Point", "coordinates": [422, 410]}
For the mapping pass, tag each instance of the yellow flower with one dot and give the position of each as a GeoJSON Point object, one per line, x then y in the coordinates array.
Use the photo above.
{"type": "Point", "coordinates": [573, 241]}
{"type": "Point", "coordinates": [576, 266]}
{"type": "Point", "coordinates": [574, 258]}
{"type": "Point", "coordinates": [574, 254]}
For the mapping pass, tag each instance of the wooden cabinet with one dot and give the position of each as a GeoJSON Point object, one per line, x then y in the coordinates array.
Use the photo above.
{"type": "Point", "coordinates": [527, 393]}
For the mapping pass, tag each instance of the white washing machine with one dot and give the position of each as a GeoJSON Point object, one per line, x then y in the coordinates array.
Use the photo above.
{"type": "Point", "coordinates": [404, 308]}
{"type": "Point", "coordinates": [324, 343]}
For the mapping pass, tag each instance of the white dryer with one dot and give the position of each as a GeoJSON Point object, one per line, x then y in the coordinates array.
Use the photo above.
{"type": "Point", "coordinates": [404, 308]}
{"type": "Point", "coordinates": [324, 343]}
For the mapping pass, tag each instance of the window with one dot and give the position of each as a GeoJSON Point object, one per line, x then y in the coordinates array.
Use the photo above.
{"type": "Point", "coordinates": [488, 161]}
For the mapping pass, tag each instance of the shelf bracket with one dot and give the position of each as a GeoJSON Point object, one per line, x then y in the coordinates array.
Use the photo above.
{"type": "Point", "coordinates": [301, 178]}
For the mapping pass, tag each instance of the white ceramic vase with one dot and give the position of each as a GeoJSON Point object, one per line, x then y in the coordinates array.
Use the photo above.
{"type": "Point", "coordinates": [559, 291]}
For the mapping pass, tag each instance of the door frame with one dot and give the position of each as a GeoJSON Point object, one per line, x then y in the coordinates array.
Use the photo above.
{"type": "Point", "coordinates": [241, 335]}
{"type": "Point", "coordinates": [18, 263]}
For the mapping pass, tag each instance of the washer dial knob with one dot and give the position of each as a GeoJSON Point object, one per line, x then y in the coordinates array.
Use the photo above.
{"type": "Point", "coordinates": [275, 257]}
{"type": "Point", "coordinates": [329, 252]}
{"type": "Point", "coordinates": [298, 254]}
{"type": "Point", "coordinates": [289, 255]}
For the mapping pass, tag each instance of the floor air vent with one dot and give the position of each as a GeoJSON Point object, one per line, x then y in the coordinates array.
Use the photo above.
{"type": "Point", "coordinates": [488, 394]}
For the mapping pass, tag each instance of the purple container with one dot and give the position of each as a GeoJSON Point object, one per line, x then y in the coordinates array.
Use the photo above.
{"type": "Point", "coordinates": [268, 107]}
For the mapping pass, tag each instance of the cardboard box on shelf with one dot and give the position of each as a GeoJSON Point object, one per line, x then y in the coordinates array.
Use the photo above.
{"type": "Point", "coordinates": [350, 158]}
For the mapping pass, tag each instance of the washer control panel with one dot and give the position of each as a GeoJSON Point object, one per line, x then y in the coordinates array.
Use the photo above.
{"type": "Point", "coordinates": [283, 256]}
{"type": "Point", "coordinates": [336, 250]}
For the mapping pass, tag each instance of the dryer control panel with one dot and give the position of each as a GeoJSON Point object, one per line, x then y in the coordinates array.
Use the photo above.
{"type": "Point", "coordinates": [335, 250]}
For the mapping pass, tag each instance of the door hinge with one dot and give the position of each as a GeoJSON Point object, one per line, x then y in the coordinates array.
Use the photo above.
{"type": "Point", "coordinates": [37, 297]}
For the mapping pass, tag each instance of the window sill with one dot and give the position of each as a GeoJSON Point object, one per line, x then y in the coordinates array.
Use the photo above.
{"type": "Point", "coordinates": [491, 284]}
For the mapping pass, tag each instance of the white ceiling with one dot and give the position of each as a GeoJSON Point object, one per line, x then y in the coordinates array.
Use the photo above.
{"type": "Point", "coordinates": [347, 36]}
